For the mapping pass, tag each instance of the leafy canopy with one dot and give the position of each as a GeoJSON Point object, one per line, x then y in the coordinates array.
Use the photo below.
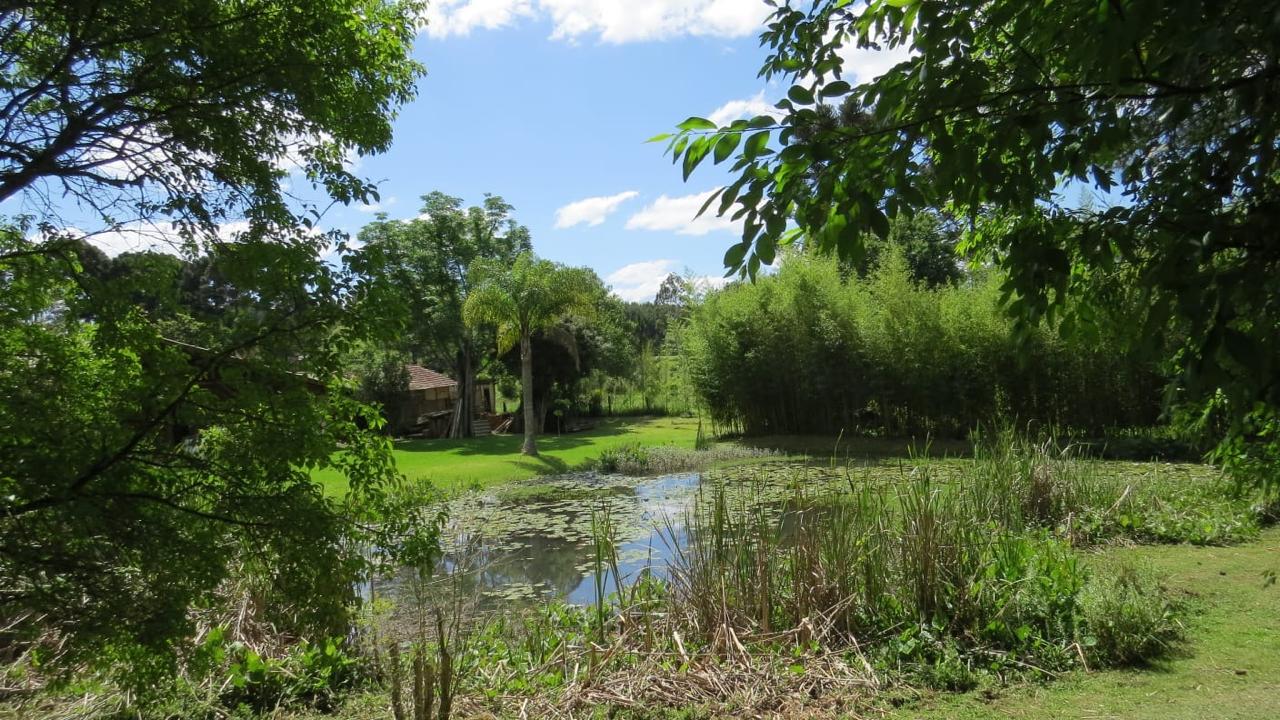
{"type": "Point", "coordinates": [160, 417]}
{"type": "Point", "coordinates": [526, 295]}
{"type": "Point", "coordinates": [1167, 109]}
{"type": "Point", "coordinates": [196, 108]}
{"type": "Point", "coordinates": [428, 261]}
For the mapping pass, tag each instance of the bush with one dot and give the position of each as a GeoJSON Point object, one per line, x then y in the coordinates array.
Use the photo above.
{"type": "Point", "coordinates": [807, 350]}
{"type": "Point", "coordinates": [630, 459]}
{"type": "Point", "coordinates": [1129, 616]}
{"type": "Point", "coordinates": [634, 459]}
{"type": "Point", "coordinates": [311, 674]}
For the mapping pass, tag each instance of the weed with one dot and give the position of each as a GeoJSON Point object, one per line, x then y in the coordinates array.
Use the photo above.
{"type": "Point", "coordinates": [1129, 617]}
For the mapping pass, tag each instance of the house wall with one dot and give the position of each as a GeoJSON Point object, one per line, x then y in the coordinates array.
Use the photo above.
{"type": "Point", "coordinates": [414, 404]}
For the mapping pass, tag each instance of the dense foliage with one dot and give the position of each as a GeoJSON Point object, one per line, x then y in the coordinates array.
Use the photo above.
{"type": "Point", "coordinates": [519, 298]}
{"type": "Point", "coordinates": [809, 350]}
{"type": "Point", "coordinates": [146, 452]}
{"type": "Point", "coordinates": [577, 356]}
{"type": "Point", "coordinates": [1167, 109]}
{"type": "Point", "coordinates": [426, 262]}
{"type": "Point", "coordinates": [191, 109]}
{"type": "Point", "coordinates": [160, 418]}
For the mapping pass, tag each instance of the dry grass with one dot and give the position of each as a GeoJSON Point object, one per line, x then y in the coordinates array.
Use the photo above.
{"type": "Point", "coordinates": [728, 679]}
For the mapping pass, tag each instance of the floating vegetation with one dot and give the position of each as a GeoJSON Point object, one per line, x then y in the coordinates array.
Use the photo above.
{"type": "Point", "coordinates": [781, 584]}
{"type": "Point", "coordinates": [637, 459]}
{"type": "Point", "coordinates": [533, 541]}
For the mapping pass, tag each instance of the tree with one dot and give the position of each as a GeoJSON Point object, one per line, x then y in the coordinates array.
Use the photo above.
{"type": "Point", "coordinates": [592, 345]}
{"type": "Point", "coordinates": [192, 109]}
{"type": "Point", "coordinates": [672, 293]}
{"type": "Point", "coordinates": [1167, 110]}
{"type": "Point", "coordinates": [429, 259]}
{"type": "Point", "coordinates": [520, 298]}
{"type": "Point", "coordinates": [150, 450]}
{"type": "Point", "coordinates": [647, 374]}
{"type": "Point", "coordinates": [927, 242]}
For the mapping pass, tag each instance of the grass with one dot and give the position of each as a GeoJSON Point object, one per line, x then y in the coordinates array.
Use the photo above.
{"type": "Point", "coordinates": [819, 606]}
{"type": "Point", "coordinates": [494, 459]}
{"type": "Point", "coordinates": [1230, 667]}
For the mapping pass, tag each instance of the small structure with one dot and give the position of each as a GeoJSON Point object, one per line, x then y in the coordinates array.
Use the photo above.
{"type": "Point", "coordinates": [428, 407]}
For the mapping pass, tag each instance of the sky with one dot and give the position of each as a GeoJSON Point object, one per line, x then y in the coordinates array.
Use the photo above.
{"type": "Point", "coordinates": [549, 103]}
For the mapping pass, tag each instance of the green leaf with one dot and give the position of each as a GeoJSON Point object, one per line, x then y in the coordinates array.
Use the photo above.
{"type": "Point", "coordinates": [879, 223]}
{"type": "Point", "coordinates": [707, 204]}
{"type": "Point", "coordinates": [756, 145]}
{"type": "Point", "coordinates": [766, 249]}
{"type": "Point", "coordinates": [726, 145]}
{"type": "Point", "coordinates": [734, 256]}
{"type": "Point", "coordinates": [660, 137]}
{"type": "Point", "coordinates": [678, 147]}
{"type": "Point", "coordinates": [697, 123]}
{"type": "Point", "coordinates": [800, 94]}
{"type": "Point", "coordinates": [836, 89]}
{"type": "Point", "coordinates": [698, 150]}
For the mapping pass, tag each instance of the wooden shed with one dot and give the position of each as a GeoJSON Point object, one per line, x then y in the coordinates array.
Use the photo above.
{"type": "Point", "coordinates": [429, 402]}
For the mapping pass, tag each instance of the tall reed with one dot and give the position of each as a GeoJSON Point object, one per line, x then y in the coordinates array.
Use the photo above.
{"type": "Point", "coordinates": [978, 556]}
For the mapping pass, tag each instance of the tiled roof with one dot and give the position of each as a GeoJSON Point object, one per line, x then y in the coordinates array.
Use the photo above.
{"type": "Point", "coordinates": [421, 378]}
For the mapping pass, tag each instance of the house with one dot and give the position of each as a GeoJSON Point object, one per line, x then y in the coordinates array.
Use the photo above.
{"type": "Point", "coordinates": [427, 407]}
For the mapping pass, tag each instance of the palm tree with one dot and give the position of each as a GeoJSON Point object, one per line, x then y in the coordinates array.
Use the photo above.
{"type": "Point", "coordinates": [521, 298]}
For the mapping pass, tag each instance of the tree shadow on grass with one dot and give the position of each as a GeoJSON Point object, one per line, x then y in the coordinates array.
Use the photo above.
{"type": "Point", "coordinates": [498, 445]}
{"type": "Point", "coordinates": [542, 465]}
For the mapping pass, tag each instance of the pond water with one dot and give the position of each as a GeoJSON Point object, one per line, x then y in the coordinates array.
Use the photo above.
{"type": "Point", "coordinates": [541, 546]}
{"type": "Point", "coordinates": [533, 541]}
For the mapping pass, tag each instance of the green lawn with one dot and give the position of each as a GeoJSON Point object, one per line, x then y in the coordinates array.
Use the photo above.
{"type": "Point", "coordinates": [1230, 667]}
{"type": "Point", "coordinates": [483, 461]}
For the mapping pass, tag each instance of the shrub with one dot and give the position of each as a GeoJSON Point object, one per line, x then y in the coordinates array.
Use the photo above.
{"type": "Point", "coordinates": [634, 459]}
{"type": "Point", "coordinates": [807, 350]}
{"type": "Point", "coordinates": [630, 459]}
{"type": "Point", "coordinates": [1129, 616]}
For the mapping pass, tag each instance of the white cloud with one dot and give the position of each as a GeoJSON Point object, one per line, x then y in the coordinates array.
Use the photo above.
{"type": "Point", "coordinates": [748, 108]}
{"type": "Point", "coordinates": [676, 214]}
{"type": "Point", "coordinates": [704, 283]}
{"type": "Point", "coordinates": [865, 64]}
{"type": "Point", "coordinates": [293, 160]}
{"type": "Point", "coordinates": [460, 17]}
{"type": "Point", "coordinates": [592, 210]}
{"type": "Point", "coordinates": [161, 237]}
{"type": "Point", "coordinates": [374, 207]}
{"type": "Point", "coordinates": [138, 236]}
{"type": "Point", "coordinates": [639, 282]}
{"type": "Point", "coordinates": [612, 21]}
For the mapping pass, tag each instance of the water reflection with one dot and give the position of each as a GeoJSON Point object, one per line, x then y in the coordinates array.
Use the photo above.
{"type": "Point", "coordinates": [533, 541]}
{"type": "Point", "coordinates": [508, 547]}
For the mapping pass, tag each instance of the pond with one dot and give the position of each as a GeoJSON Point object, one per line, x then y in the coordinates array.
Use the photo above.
{"type": "Point", "coordinates": [533, 541]}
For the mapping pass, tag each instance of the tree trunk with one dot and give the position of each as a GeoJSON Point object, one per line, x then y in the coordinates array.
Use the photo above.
{"type": "Point", "coordinates": [464, 413]}
{"type": "Point", "coordinates": [526, 393]}
{"type": "Point", "coordinates": [540, 413]}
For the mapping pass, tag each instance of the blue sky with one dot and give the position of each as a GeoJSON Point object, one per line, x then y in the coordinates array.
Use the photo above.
{"type": "Point", "coordinates": [555, 121]}
{"type": "Point", "coordinates": [548, 103]}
